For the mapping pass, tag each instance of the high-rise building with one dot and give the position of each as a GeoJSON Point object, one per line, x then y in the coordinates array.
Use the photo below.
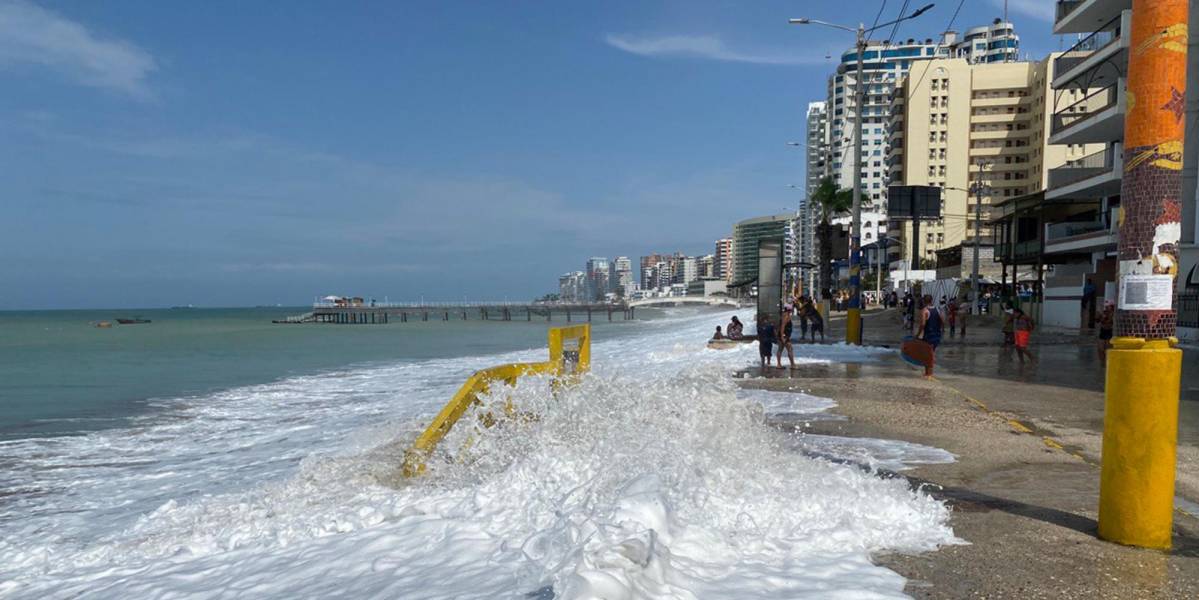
{"type": "Point", "coordinates": [724, 259]}
{"type": "Point", "coordinates": [622, 276]}
{"type": "Point", "coordinates": [572, 287]}
{"type": "Point", "coordinates": [648, 266]}
{"type": "Point", "coordinates": [1074, 224]}
{"type": "Point", "coordinates": [663, 275]}
{"type": "Point", "coordinates": [706, 266]}
{"type": "Point", "coordinates": [688, 270]}
{"type": "Point", "coordinates": [598, 278]}
{"type": "Point", "coordinates": [816, 154]}
{"type": "Point", "coordinates": [955, 124]}
{"type": "Point", "coordinates": [745, 243]}
{"type": "Point", "coordinates": [884, 64]}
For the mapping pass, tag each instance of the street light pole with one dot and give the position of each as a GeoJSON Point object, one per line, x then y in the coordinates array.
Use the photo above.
{"type": "Point", "coordinates": [853, 320]}
{"type": "Point", "coordinates": [978, 183]}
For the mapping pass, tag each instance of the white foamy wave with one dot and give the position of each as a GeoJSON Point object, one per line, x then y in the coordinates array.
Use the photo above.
{"type": "Point", "coordinates": [649, 479]}
{"type": "Point", "coordinates": [800, 404]}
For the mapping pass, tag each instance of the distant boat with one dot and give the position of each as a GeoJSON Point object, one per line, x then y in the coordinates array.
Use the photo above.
{"type": "Point", "coordinates": [183, 307]}
{"type": "Point", "coordinates": [132, 321]}
{"type": "Point", "coordinates": [102, 324]}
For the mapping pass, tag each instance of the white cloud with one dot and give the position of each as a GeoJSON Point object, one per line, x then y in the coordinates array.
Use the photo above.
{"type": "Point", "coordinates": [31, 35]}
{"type": "Point", "coordinates": [1042, 10]}
{"type": "Point", "coordinates": [708, 47]}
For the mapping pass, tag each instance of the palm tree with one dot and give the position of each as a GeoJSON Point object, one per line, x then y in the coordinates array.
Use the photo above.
{"type": "Point", "coordinates": [830, 202]}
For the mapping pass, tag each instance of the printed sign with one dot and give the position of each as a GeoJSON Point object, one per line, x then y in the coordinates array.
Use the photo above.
{"type": "Point", "coordinates": [1146, 292]}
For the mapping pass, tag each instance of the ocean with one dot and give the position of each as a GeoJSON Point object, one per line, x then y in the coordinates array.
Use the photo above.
{"type": "Point", "coordinates": [61, 376]}
{"type": "Point", "coordinates": [211, 453]}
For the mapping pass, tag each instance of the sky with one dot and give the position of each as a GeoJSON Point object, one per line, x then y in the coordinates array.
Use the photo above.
{"type": "Point", "coordinates": [226, 153]}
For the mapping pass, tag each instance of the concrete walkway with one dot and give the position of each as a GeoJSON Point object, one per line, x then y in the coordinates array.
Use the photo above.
{"type": "Point", "coordinates": [1025, 486]}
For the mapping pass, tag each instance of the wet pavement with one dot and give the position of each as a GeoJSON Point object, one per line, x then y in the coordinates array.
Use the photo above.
{"type": "Point", "coordinates": [1024, 488]}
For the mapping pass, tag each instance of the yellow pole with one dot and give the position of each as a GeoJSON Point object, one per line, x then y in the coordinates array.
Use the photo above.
{"type": "Point", "coordinates": [1144, 369]}
{"type": "Point", "coordinates": [853, 327]}
{"type": "Point", "coordinates": [1140, 434]}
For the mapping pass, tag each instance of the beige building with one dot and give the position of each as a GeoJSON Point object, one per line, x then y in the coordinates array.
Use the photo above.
{"type": "Point", "coordinates": [953, 124]}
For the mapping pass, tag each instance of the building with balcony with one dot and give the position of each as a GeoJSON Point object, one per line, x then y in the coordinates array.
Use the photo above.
{"type": "Point", "coordinates": [598, 278]}
{"type": "Point", "coordinates": [885, 63]}
{"type": "Point", "coordinates": [981, 133]}
{"type": "Point", "coordinates": [1077, 218]}
{"type": "Point", "coordinates": [572, 287]}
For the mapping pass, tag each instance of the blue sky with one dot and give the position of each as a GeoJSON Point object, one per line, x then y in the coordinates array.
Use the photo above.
{"type": "Point", "coordinates": [237, 153]}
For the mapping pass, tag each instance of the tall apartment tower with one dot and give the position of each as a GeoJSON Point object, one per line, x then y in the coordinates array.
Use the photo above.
{"type": "Point", "coordinates": [622, 275]}
{"type": "Point", "coordinates": [724, 259]}
{"type": "Point", "coordinates": [816, 153]}
{"type": "Point", "coordinates": [884, 64]}
{"type": "Point", "coordinates": [954, 124]}
{"type": "Point", "coordinates": [649, 277]}
{"type": "Point", "coordinates": [598, 276]}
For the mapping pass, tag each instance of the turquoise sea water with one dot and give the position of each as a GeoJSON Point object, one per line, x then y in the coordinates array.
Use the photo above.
{"type": "Point", "coordinates": [59, 375]}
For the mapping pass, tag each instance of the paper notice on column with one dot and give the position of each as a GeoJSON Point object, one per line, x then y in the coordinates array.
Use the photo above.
{"type": "Point", "coordinates": [1146, 292]}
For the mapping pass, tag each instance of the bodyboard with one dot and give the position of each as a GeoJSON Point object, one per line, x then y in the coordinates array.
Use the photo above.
{"type": "Point", "coordinates": [917, 353]}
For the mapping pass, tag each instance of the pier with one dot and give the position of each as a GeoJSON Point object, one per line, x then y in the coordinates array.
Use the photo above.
{"type": "Point", "coordinates": [392, 312]}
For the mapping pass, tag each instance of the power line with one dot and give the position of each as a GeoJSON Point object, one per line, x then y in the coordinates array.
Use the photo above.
{"type": "Point", "coordinates": [879, 15]}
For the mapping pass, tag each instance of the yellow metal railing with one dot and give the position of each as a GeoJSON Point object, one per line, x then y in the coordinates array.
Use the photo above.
{"type": "Point", "coordinates": [570, 355]}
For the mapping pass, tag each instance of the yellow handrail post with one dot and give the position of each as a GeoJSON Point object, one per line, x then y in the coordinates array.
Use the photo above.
{"type": "Point", "coordinates": [570, 356]}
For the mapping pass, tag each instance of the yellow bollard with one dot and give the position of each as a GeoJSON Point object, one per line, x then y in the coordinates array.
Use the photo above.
{"type": "Point", "coordinates": [853, 327]}
{"type": "Point", "coordinates": [1140, 435]}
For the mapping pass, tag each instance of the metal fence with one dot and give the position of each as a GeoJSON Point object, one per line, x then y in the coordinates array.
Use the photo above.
{"type": "Point", "coordinates": [1084, 48]}
{"type": "Point", "coordinates": [1188, 309]}
{"type": "Point", "coordinates": [1093, 104]}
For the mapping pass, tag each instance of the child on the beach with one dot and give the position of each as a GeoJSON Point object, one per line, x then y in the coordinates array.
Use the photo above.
{"type": "Point", "coordinates": [766, 336]}
{"type": "Point", "coordinates": [1022, 325]}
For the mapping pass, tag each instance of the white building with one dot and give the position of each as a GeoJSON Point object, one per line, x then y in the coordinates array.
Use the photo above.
{"type": "Point", "coordinates": [572, 287]}
{"type": "Point", "coordinates": [622, 275]}
{"type": "Point", "coordinates": [598, 278]}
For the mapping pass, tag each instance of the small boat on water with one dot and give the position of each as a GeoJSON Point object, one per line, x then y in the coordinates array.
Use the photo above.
{"type": "Point", "coordinates": [136, 321]}
{"type": "Point", "coordinates": [102, 324]}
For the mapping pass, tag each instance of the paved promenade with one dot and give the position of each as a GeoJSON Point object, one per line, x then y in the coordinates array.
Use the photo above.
{"type": "Point", "coordinates": [1025, 485]}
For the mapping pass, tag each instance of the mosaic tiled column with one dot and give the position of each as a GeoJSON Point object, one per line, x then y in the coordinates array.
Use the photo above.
{"type": "Point", "coordinates": [1150, 218]}
{"type": "Point", "coordinates": [1141, 389]}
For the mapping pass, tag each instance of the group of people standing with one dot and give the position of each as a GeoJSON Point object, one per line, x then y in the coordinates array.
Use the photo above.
{"type": "Point", "coordinates": [928, 325]}
{"type": "Point", "coordinates": [774, 334]}
{"type": "Point", "coordinates": [769, 335]}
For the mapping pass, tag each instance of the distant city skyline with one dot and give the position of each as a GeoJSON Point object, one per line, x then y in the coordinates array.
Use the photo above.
{"type": "Point", "coordinates": [170, 154]}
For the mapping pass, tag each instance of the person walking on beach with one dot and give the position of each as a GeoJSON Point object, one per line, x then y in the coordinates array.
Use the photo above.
{"type": "Point", "coordinates": [1088, 304]}
{"type": "Point", "coordinates": [1009, 326]}
{"type": "Point", "coordinates": [1023, 326]}
{"type": "Point", "coordinates": [951, 314]}
{"type": "Point", "coordinates": [930, 331]}
{"type": "Point", "coordinates": [816, 320]}
{"type": "Point", "coordinates": [785, 330]}
{"type": "Point", "coordinates": [766, 337]}
{"type": "Point", "coordinates": [1106, 326]}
